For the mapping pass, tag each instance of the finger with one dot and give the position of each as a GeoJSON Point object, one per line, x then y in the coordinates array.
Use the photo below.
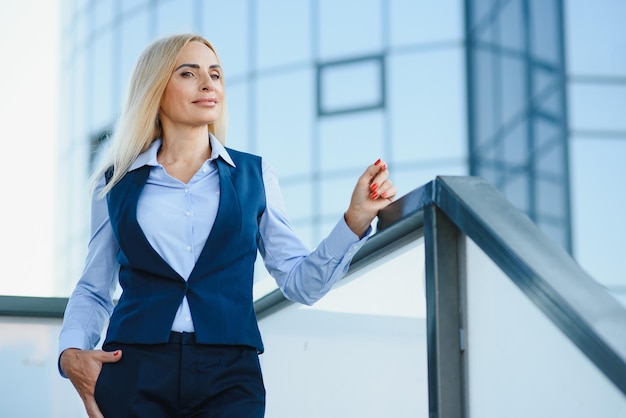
{"type": "Point", "coordinates": [92, 408]}
{"type": "Point", "coordinates": [372, 170]}
{"type": "Point", "coordinates": [389, 193]}
{"type": "Point", "coordinates": [110, 356]}
{"type": "Point", "coordinates": [378, 180]}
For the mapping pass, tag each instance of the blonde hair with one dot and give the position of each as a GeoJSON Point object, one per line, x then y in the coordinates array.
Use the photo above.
{"type": "Point", "coordinates": [138, 125]}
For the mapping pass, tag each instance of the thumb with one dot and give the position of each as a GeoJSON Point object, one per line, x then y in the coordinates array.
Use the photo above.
{"type": "Point", "coordinates": [111, 356]}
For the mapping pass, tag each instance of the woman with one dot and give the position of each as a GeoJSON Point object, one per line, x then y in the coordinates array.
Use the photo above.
{"type": "Point", "coordinates": [179, 218]}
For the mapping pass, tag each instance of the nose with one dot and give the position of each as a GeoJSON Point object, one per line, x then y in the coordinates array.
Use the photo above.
{"type": "Point", "coordinates": [207, 83]}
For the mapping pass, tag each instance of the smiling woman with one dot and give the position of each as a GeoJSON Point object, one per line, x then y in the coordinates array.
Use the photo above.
{"type": "Point", "coordinates": [29, 117]}
{"type": "Point", "coordinates": [179, 219]}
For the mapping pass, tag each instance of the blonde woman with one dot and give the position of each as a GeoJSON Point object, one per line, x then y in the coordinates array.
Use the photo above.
{"type": "Point", "coordinates": [178, 218]}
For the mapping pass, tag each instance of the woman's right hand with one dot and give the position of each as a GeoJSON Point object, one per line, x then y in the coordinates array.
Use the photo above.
{"type": "Point", "coordinates": [83, 367]}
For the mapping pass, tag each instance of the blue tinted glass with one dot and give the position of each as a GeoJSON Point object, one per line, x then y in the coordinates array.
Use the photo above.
{"type": "Point", "coordinates": [134, 35]}
{"type": "Point", "coordinates": [283, 33]}
{"type": "Point", "coordinates": [515, 147]}
{"type": "Point", "coordinates": [174, 17]}
{"type": "Point", "coordinates": [595, 37]}
{"type": "Point", "coordinates": [336, 192]}
{"type": "Point", "coordinates": [479, 10]}
{"type": "Point", "coordinates": [513, 88]}
{"type": "Point", "coordinates": [351, 85]}
{"type": "Point", "coordinates": [426, 105]}
{"type": "Point", "coordinates": [351, 141]}
{"type": "Point", "coordinates": [482, 103]}
{"type": "Point", "coordinates": [511, 28]}
{"type": "Point", "coordinates": [298, 196]}
{"type": "Point", "coordinates": [238, 102]}
{"type": "Point", "coordinates": [545, 32]}
{"type": "Point", "coordinates": [101, 96]}
{"type": "Point", "coordinates": [349, 28]}
{"type": "Point", "coordinates": [131, 5]}
{"type": "Point", "coordinates": [415, 22]}
{"type": "Point", "coordinates": [284, 110]}
{"type": "Point", "coordinates": [597, 107]}
{"type": "Point", "coordinates": [516, 190]}
{"type": "Point", "coordinates": [226, 26]}
{"type": "Point", "coordinates": [102, 14]}
{"type": "Point", "coordinates": [550, 197]}
{"type": "Point", "coordinates": [550, 160]}
{"type": "Point", "coordinates": [598, 171]}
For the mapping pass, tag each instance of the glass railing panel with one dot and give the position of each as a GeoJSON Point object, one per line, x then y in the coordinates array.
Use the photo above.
{"type": "Point", "coordinates": [30, 385]}
{"type": "Point", "coordinates": [519, 364]}
{"type": "Point", "coordinates": [358, 352]}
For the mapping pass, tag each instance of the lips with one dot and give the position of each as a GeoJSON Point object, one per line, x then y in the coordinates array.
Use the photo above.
{"type": "Point", "coordinates": [206, 102]}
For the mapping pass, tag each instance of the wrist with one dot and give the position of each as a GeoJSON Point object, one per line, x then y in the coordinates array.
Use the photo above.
{"type": "Point", "coordinates": [357, 224]}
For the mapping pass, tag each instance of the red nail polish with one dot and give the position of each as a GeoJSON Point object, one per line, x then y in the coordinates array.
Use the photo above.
{"type": "Point", "coordinates": [373, 187]}
{"type": "Point", "coordinates": [117, 353]}
{"type": "Point", "coordinates": [384, 167]}
{"type": "Point", "coordinates": [374, 195]}
{"type": "Point", "coordinates": [377, 162]}
{"type": "Point", "coordinates": [383, 194]}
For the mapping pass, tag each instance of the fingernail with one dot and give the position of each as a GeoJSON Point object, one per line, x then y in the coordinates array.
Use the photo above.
{"type": "Point", "coordinates": [373, 187]}
{"type": "Point", "coordinates": [374, 195]}
{"type": "Point", "coordinates": [384, 167]}
{"type": "Point", "coordinates": [383, 194]}
{"type": "Point", "coordinates": [377, 162]}
{"type": "Point", "coordinates": [117, 353]}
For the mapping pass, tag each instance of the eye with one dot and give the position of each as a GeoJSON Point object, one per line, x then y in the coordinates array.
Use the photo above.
{"type": "Point", "coordinates": [216, 76]}
{"type": "Point", "coordinates": [186, 74]}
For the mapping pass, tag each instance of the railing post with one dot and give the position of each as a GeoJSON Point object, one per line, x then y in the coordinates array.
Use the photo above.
{"type": "Point", "coordinates": [446, 370]}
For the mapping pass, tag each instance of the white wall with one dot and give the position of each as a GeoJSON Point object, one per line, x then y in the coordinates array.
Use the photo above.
{"type": "Point", "coordinates": [519, 363]}
{"type": "Point", "coordinates": [30, 385]}
{"type": "Point", "coordinates": [358, 352]}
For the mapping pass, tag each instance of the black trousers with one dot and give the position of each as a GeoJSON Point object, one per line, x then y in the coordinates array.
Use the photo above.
{"type": "Point", "coordinates": [181, 379]}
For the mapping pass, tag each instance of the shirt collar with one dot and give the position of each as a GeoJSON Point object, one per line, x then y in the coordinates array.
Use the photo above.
{"type": "Point", "coordinates": [149, 156]}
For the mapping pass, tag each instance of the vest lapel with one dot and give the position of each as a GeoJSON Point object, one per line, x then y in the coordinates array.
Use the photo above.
{"type": "Point", "coordinates": [126, 196]}
{"type": "Point", "coordinates": [223, 239]}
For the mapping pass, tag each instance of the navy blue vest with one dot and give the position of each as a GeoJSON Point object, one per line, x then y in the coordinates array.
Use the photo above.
{"type": "Point", "coordinates": [219, 289]}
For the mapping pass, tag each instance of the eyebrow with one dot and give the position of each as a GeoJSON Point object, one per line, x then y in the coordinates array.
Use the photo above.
{"type": "Point", "coordinates": [196, 66]}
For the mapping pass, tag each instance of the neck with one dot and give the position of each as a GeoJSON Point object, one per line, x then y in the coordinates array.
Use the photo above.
{"type": "Point", "coordinates": [185, 145]}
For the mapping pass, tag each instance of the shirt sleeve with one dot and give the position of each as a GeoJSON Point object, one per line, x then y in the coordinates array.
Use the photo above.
{"type": "Point", "coordinates": [91, 303]}
{"type": "Point", "coordinates": [302, 276]}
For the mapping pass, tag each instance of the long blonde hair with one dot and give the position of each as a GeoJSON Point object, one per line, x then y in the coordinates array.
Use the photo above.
{"type": "Point", "coordinates": [138, 125]}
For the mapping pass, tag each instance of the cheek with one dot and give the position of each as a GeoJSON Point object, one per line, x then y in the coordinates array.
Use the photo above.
{"type": "Point", "coordinates": [172, 99]}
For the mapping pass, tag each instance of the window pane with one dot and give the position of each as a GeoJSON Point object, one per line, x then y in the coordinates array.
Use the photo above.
{"type": "Point", "coordinates": [596, 37]}
{"type": "Point", "coordinates": [101, 94]}
{"type": "Point", "coordinates": [225, 24]}
{"type": "Point", "coordinates": [284, 110]}
{"type": "Point", "coordinates": [438, 21]}
{"type": "Point", "coordinates": [597, 107]}
{"type": "Point", "coordinates": [280, 40]}
{"type": "Point", "coordinates": [427, 106]}
{"type": "Point", "coordinates": [351, 142]}
{"type": "Point", "coordinates": [599, 207]}
{"type": "Point", "coordinates": [349, 28]}
{"type": "Point", "coordinates": [175, 17]}
{"type": "Point", "coordinates": [351, 85]}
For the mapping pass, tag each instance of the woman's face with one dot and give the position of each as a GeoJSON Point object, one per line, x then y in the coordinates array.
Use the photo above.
{"type": "Point", "coordinates": [194, 93]}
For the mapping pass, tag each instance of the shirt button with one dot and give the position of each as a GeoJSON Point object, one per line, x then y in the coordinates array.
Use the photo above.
{"type": "Point", "coordinates": [186, 190]}
{"type": "Point", "coordinates": [188, 248]}
{"type": "Point", "coordinates": [204, 169]}
{"type": "Point", "coordinates": [188, 319]}
{"type": "Point", "coordinates": [188, 213]}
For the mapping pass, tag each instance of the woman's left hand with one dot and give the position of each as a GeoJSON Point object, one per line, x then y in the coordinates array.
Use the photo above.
{"type": "Point", "coordinates": [373, 191]}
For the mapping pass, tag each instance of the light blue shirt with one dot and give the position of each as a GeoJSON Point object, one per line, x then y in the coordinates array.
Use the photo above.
{"type": "Point", "coordinates": [176, 218]}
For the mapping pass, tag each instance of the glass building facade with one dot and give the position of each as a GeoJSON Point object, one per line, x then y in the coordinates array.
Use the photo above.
{"type": "Point", "coordinates": [517, 107]}
{"type": "Point", "coordinates": [320, 90]}
{"type": "Point", "coordinates": [516, 91]}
